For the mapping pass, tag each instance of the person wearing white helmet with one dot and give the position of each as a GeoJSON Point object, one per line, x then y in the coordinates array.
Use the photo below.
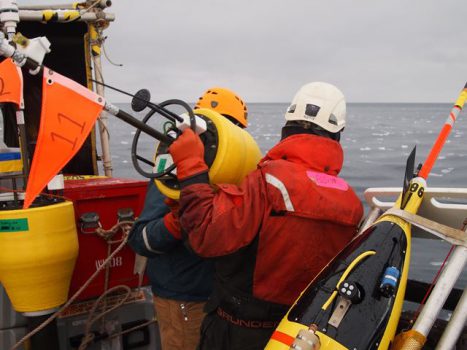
{"type": "Point", "coordinates": [273, 234]}
{"type": "Point", "coordinates": [322, 105]}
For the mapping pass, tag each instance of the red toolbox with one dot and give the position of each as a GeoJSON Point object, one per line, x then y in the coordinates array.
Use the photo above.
{"type": "Point", "coordinates": [104, 196]}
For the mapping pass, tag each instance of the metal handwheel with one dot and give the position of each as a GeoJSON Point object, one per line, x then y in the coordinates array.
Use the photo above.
{"type": "Point", "coordinates": [139, 102]}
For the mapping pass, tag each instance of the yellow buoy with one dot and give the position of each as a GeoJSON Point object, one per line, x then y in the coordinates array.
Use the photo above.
{"type": "Point", "coordinates": [235, 153]}
{"type": "Point", "coordinates": [38, 250]}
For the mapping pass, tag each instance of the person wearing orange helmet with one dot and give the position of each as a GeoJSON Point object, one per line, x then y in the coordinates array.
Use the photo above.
{"type": "Point", "coordinates": [181, 281]}
{"type": "Point", "coordinates": [225, 102]}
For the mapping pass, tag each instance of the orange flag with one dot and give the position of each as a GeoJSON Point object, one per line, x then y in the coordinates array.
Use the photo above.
{"type": "Point", "coordinates": [69, 111]}
{"type": "Point", "coordinates": [11, 82]}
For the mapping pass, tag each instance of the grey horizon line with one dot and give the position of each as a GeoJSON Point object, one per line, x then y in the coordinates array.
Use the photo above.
{"type": "Point", "coordinates": [348, 102]}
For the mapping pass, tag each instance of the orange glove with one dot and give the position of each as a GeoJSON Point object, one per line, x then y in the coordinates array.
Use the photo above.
{"type": "Point", "coordinates": [188, 155]}
{"type": "Point", "coordinates": [171, 219]}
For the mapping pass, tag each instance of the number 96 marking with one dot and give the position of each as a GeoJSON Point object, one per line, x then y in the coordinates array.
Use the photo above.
{"type": "Point", "coordinates": [415, 187]}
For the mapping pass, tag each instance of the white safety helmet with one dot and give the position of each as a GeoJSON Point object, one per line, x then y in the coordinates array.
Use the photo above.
{"type": "Point", "coordinates": [319, 103]}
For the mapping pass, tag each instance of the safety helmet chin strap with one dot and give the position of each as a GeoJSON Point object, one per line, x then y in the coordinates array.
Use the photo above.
{"type": "Point", "coordinates": [292, 128]}
{"type": "Point", "coordinates": [234, 121]}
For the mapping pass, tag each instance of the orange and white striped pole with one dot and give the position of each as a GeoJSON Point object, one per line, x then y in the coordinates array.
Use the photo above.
{"type": "Point", "coordinates": [415, 338]}
{"type": "Point", "coordinates": [443, 135]}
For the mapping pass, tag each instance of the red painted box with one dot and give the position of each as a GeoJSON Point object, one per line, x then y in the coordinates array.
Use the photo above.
{"type": "Point", "coordinates": [104, 196]}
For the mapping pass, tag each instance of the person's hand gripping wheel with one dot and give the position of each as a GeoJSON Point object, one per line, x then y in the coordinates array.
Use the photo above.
{"type": "Point", "coordinates": [188, 155]}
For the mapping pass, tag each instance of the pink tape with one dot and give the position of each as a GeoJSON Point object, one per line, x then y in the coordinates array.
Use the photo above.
{"type": "Point", "coordinates": [325, 180]}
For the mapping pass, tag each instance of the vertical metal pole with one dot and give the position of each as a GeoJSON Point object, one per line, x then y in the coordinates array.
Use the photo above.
{"type": "Point", "coordinates": [23, 144]}
{"type": "Point", "coordinates": [103, 119]}
{"type": "Point", "coordinates": [441, 291]}
{"type": "Point", "coordinates": [10, 28]}
{"type": "Point", "coordinates": [456, 325]}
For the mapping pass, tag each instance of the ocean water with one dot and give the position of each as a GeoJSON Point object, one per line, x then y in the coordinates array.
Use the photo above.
{"type": "Point", "coordinates": [376, 142]}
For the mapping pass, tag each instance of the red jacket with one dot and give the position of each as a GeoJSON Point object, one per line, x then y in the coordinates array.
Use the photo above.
{"type": "Point", "coordinates": [281, 226]}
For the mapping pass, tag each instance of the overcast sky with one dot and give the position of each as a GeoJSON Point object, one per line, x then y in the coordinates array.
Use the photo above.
{"type": "Point", "coordinates": [374, 51]}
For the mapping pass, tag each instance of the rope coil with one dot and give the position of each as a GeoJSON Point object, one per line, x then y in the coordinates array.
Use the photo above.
{"type": "Point", "coordinates": [124, 227]}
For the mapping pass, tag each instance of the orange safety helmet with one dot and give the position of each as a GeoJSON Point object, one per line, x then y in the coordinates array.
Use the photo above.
{"type": "Point", "coordinates": [225, 102]}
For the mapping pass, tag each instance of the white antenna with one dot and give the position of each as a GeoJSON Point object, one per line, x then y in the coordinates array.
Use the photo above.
{"type": "Point", "coordinates": [9, 17]}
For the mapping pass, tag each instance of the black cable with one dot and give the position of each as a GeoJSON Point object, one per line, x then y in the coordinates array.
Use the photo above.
{"type": "Point", "coordinates": [163, 111]}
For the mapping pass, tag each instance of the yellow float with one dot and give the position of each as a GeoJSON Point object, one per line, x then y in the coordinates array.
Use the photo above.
{"type": "Point", "coordinates": [235, 153]}
{"type": "Point", "coordinates": [38, 250]}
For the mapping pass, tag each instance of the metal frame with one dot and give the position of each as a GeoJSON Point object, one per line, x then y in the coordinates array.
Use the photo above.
{"type": "Point", "coordinates": [62, 16]}
{"type": "Point", "coordinates": [447, 206]}
{"type": "Point", "coordinates": [93, 15]}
